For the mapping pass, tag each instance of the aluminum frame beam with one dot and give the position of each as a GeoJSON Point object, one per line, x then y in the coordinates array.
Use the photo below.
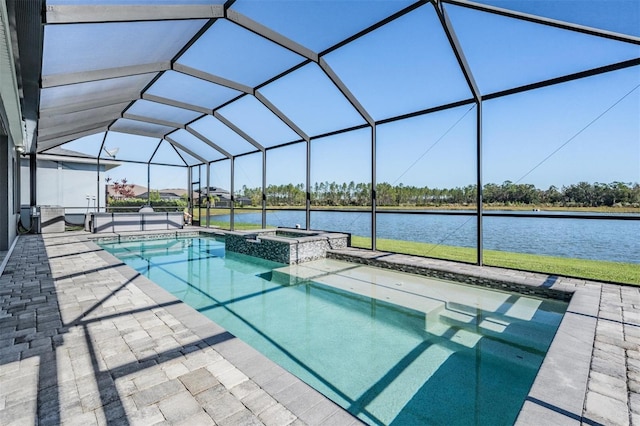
{"type": "Point", "coordinates": [263, 198]}
{"type": "Point", "coordinates": [374, 188]}
{"type": "Point", "coordinates": [152, 120]}
{"type": "Point", "coordinates": [54, 80]}
{"type": "Point", "coordinates": [154, 152]}
{"type": "Point", "coordinates": [171, 102]}
{"type": "Point", "coordinates": [426, 111]}
{"type": "Point", "coordinates": [185, 149]}
{"type": "Point", "coordinates": [449, 31]}
{"type": "Point", "coordinates": [456, 47]}
{"type": "Point", "coordinates": [208, 142]}
{"type": "Point", "coordinates": [282, 116]}
{"type": "Point", "coordinates": [193, 72]}
{"type": "Point", "coordinates": [177, 153]}
{"type": "Point", "coordinates": [52, 142]}
{"type": "Point", "coordinates": [339, 132]}
{"type": "Point", "coordinates": [232, 194]}
{"type": "Point", "coordinates": [67, 14]}
{"type": "Point", "coordinates": [345, 91]}
{"type": "Point", "coordinates": [238, 130]}
{"type": "Point", "coordinates": [55, 133]}
{"type": "Point", "coordinates": [137, 132]}
{"type": "Point", "coordinates": [208, 210]}
{"type": "Point", "coordinates": [271, 35]}
{"type": "Point", "coordinates": [104, 139]}
{"type": "Point", "coordinates": [83, 116]}
{"type": "Point", "coordinates": [305, 52]}
{"type": "Point", "coordinates": [545, 21]}
{"type": "Point", "coordinates": [375, 26]}
{"type": "Point", "coordinates": [89, 104]}
{"type": "Point", "coordinates": [564, 79]}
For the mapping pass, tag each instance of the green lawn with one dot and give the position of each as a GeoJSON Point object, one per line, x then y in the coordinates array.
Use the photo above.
{"type": "Point", "coordinates": [617, 272]}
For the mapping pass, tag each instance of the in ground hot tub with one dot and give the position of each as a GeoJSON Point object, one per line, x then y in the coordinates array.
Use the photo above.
{"type": "Point", "coordinates": [285, 245]}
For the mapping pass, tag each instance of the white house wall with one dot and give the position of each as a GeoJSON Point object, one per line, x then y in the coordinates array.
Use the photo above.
{"type": "Point", "coordinates": [65, 184]}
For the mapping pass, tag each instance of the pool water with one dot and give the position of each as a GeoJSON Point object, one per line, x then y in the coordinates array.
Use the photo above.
{"type": "Point", "coordinates": [391, 348]}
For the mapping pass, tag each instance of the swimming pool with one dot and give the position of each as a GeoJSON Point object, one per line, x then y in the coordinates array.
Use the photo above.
{"type": "Point", "coordinates": [389, 347]}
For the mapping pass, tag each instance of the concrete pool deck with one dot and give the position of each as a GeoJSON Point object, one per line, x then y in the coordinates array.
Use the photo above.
{"type": "Point", "coordinates": [84, 339]}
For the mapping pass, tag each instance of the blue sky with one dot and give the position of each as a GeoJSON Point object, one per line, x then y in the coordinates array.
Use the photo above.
{"type": "Point", "coordinates": [585, 130]}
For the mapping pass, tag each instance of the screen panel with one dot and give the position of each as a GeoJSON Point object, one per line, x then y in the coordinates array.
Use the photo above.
{"type": "Point", "coordinates": [84, 146]}
{"type": "Point", "coordinates": [219, 189]}
{"type": "Point", "coordinates": [220, 134]}
{"type": "Point", "coordinates": [341, 170]}
{"type": "Point", "coordinates": [248, 180]}
{"type": "Point", "coordinates": [249, 59]}
{"type": "Point", "coordinates": [621, 16]}
{"type": "Point", "coordinates": [191, 90]}
{"type": "Point", "coordinates": [286, 186]}
{"type": "Point", "coordinates": [312, 101]}
{"type": "Point", "coordinates": [358, 224]}
{"type": "Point", "coordinates": [125, 125]}
{"type": "Point", "coordinates": [428, 161]}
{"type": "Point", "coordinates": [504, 53]}
{"type": "Point", "coordinates": [130, 147]}
{"type": "Point", "coordinates": [112, 90]}
{"type": "Point", "coordinates": [401, 67]}
{"type": "Point", "coordinates": [158, 111]}
{"type": "Point", "coordinates": [166, 154]}
{"type": "Point", "coordinates": [258, 122]}
{"type": "Point", "coordinates": [72, 48]}
{"type": "Point", "coordinates": [554, 155]}
{"type": "Point", "coordinates": [195, 145]}
{"type": "Point", "coordinates": [318, 24]}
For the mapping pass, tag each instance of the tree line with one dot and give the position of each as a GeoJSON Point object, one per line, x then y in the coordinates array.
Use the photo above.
{"type": "Point", "coordinates": [582, 194]}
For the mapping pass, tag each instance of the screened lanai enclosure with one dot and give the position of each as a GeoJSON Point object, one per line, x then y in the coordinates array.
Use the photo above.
{"type": "Point", "coordinates": [452, 129]}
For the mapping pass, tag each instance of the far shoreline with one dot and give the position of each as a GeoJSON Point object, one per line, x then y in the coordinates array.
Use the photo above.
{"type": "Point", "coordinates": [519, 208]}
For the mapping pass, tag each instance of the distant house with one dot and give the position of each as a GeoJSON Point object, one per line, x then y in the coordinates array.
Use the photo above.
{"type": "Point", "coordinates": [180, 192]}
{"type": "Point", "coordinates": [164, 195]}
{"type": "Point", "coordinates": [222, 198]}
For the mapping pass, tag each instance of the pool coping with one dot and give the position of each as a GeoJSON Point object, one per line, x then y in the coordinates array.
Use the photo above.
{"type": "Point", "coordinates": [559, 392]}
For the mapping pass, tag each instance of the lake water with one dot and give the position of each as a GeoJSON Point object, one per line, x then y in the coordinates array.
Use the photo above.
{"type": "Point", "coordinates": [598, 239]}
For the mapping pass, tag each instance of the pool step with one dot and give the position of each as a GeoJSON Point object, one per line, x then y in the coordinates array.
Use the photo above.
{"type": "Point", "coordinates": [357, 279]}
{"type": "Point", "coordinates": [458, 336]}
{"type": "Point", "coordinates": [449, 309]}
{"type": "Point", "coordinates": [514, 354]}
{"type": "Point", "coordinates": [458, 318]}
{"type": "Point", "coordinates": [527, 335]}
{"type": "Point", "coordinates": [385, 294]}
